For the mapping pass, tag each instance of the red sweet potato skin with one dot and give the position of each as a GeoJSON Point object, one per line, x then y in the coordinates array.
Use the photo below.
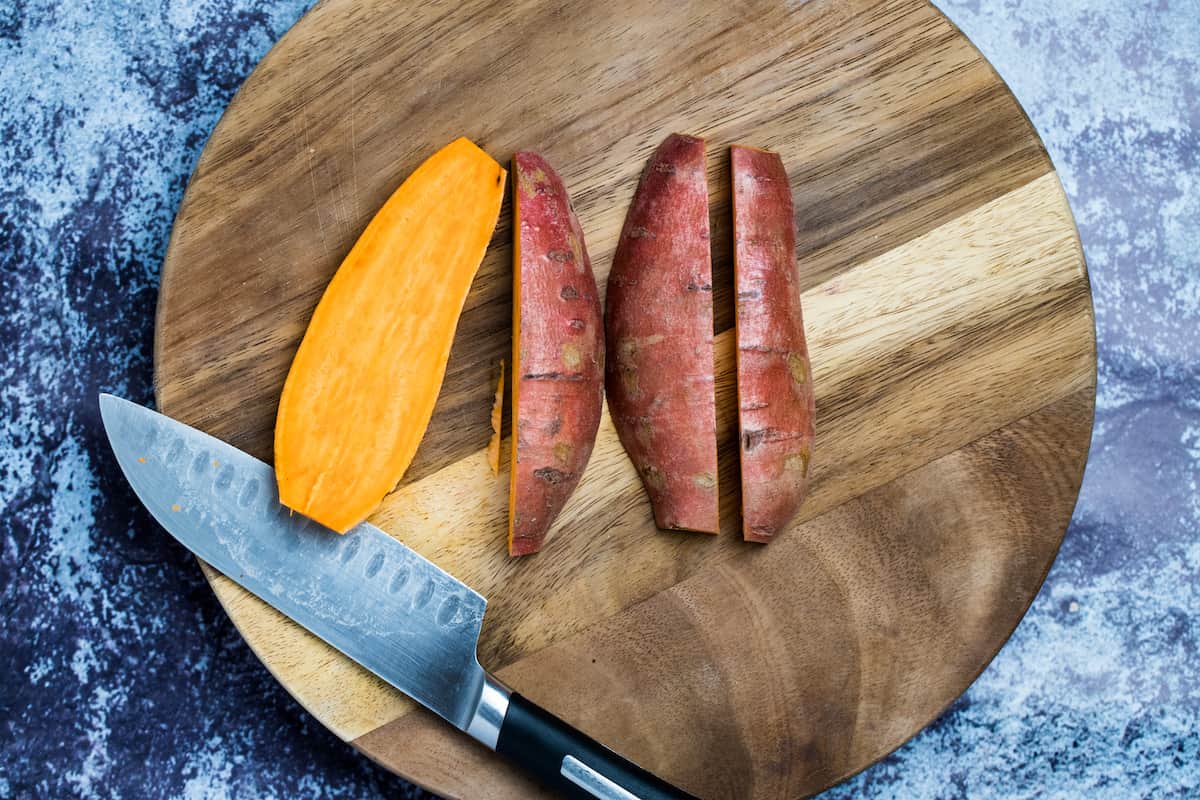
{"type": "Point", "coordinates": [776, 404]}
{"type": "Point", "coordinates": [659, 330]}
{"type": "Point", "coordinates": [558, 353]}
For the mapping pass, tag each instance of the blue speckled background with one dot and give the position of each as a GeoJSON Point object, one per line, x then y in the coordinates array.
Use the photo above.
{"type": "Point", "coordinates": [120, 677]}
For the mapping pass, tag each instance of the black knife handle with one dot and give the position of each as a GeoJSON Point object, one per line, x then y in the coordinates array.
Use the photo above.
{"type": "Point", "coordinates": [570, 762]}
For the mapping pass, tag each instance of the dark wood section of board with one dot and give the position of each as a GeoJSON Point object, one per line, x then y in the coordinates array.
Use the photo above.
{"type": "Point", "coordinates": [764, 696]}
{"type": "Point", "coordinates": [950, 330]}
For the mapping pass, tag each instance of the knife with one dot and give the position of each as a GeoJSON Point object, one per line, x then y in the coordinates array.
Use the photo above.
{"type": "Point", "coordinates": [377, 601]}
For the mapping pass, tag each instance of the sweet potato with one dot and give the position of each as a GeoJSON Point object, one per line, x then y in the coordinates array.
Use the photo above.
{"type": "Point", "coordinates": [776, 406]}
{"type": "Point", "coordinates": [363, 384]}
{"type": "Point", "coordinates": [660, 338]}
{"type": "Point", "coordinates": [493, 448]}
{"type": "Point", "coordinates": [558, 353]}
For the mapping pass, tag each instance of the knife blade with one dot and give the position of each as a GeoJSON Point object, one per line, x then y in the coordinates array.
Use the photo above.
{"type": "Point", "coordinates": [366, 594]}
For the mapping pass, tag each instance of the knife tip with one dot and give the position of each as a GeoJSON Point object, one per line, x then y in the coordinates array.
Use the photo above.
{"type": "Point", "coordinates": [111, 407]}
{"type": "Point", "coordinates": [107, 402]}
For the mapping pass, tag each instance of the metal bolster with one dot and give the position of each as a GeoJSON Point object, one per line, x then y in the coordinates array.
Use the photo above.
{"type": "Point", "coordinates": [490, 709]}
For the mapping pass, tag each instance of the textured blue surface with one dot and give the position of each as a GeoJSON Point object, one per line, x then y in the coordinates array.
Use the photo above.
{"type": "Point", "coordinates": [121, 677]}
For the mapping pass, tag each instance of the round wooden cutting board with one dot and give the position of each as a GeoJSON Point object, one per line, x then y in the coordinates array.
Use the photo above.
{"type": "Point", "coordinates": [950, 325]}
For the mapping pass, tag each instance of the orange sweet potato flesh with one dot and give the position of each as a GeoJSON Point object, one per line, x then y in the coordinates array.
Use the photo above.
{"type": "Point", "coordinates": [660, 338]}
{"type": "Point", "coordinates": [363, 384]}
{"type": "Point", "coordinates": [558, 353]}
{"type": "Point", "coordinates": [493, 449]}
{"type": "Point", "coordinates": [776, 407]}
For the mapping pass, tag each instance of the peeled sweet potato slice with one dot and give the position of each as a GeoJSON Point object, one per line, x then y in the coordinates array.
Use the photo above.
{"type": "Point", "coordinates": [776, 406]}
{"type": "Point", "coordinates": [558, 353]}
{"type": "Point", "coordinates": [363, 384]}
{"type": "Point", "coordinates": [660, 338]}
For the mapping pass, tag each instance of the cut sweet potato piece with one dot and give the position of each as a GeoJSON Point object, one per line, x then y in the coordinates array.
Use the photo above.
{"type": "Point", "coordinates": [776, 405]}
{"type": "Point", "coordinates": [493, 450]}
{"type": "Point", "coordinates": [363, 384]}
{"type": "Point", "coordinates": [558, 353]}
{"type": "Point", "coordinates": [660, 338]}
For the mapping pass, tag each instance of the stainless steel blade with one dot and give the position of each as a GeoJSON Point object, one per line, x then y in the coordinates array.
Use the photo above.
{"type": "Point", "coordinates": [377, 601]}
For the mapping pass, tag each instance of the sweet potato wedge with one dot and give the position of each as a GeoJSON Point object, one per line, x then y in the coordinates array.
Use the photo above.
{"type": "Point", "coordinates": [363, 384]}
{"type": "Point", "coordinates": [659, 322]}
{"type": "Point", "coordinates": [558, 353]}
{"type": "Point", "coordinates": [776, 407]}
{"type": "Point", "coordinates": [493, 448]}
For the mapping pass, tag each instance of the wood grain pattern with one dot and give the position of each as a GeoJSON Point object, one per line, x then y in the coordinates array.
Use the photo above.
{"type": "Point", "coordinates": [950, 330]}
{"type": "Point", "coordinates": [759, 678]}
